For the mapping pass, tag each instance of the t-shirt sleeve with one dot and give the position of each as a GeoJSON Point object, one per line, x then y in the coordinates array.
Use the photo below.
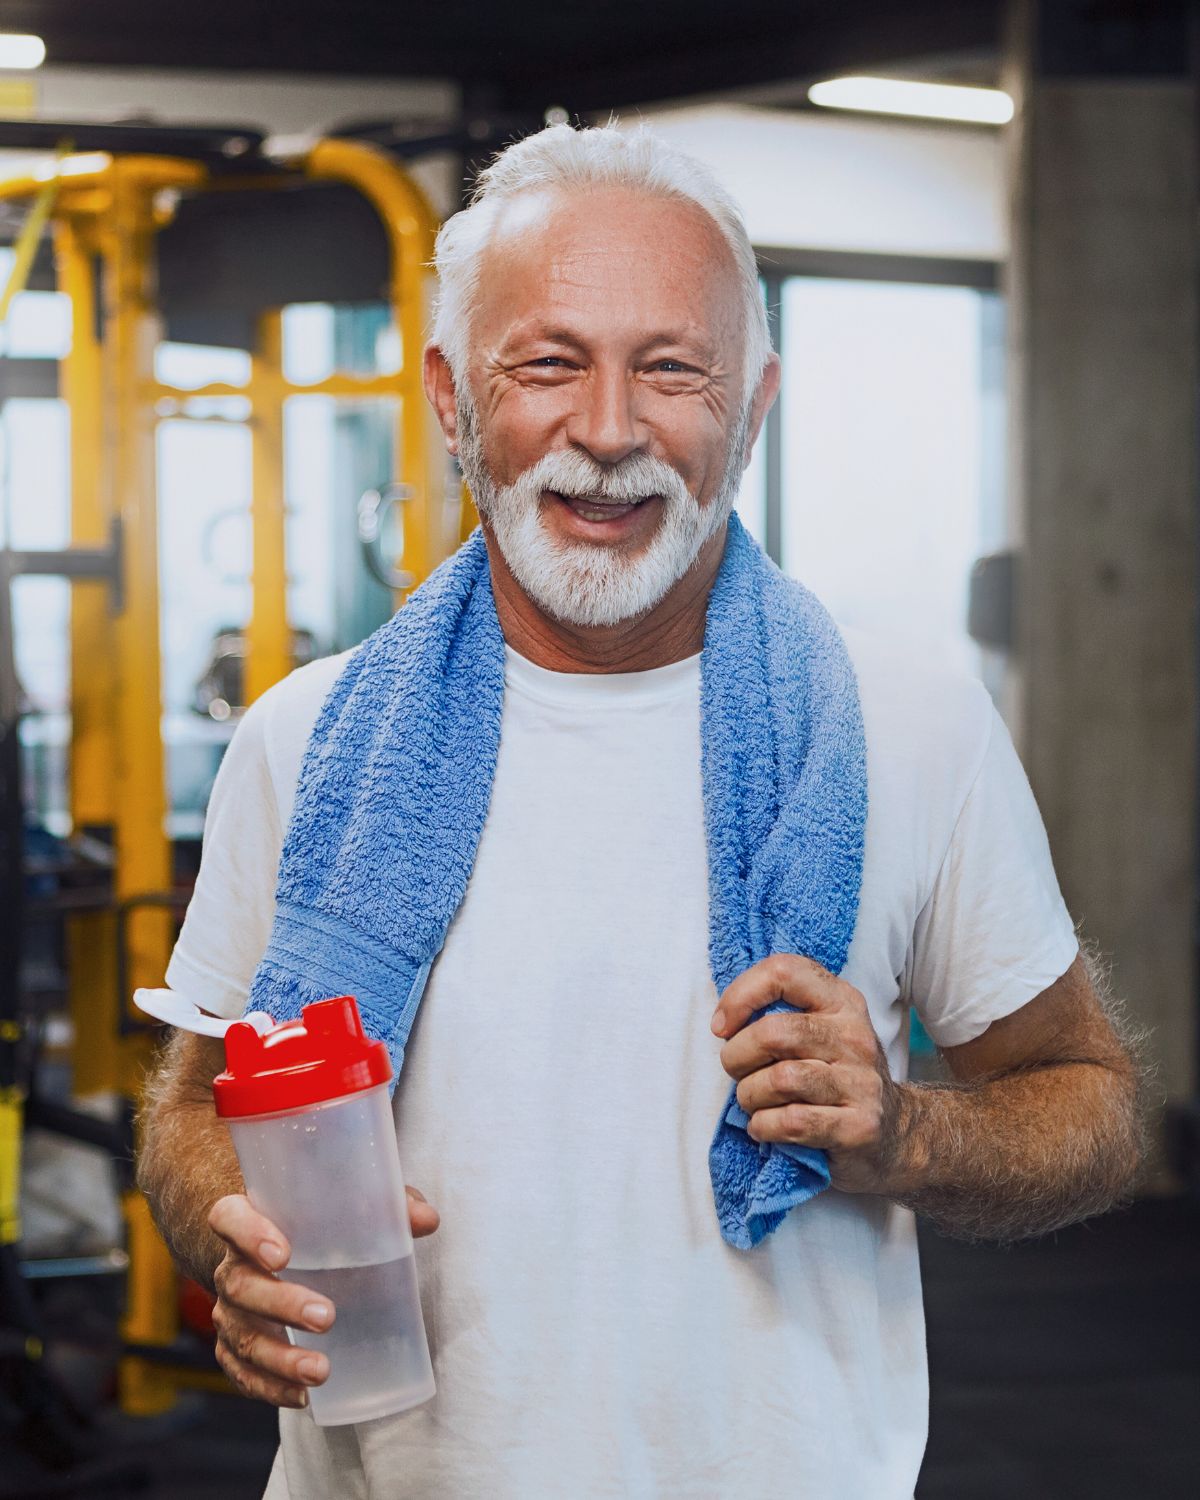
{"type": "Point", "coordinates": [994, 932]}
{"type": "Point", "coordinates": [229, 918]}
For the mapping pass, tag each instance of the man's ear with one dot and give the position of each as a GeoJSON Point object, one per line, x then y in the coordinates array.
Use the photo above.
{"type": "Point", "coordinates": [764, 399]}
{"type": "Point", "coordinates": [439, 388]}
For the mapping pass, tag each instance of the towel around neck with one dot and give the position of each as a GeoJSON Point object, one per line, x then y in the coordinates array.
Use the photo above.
{"type": "Point", "coordinates": [394, 789]}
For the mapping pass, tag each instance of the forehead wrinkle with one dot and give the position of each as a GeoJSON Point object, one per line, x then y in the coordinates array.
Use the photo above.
{"type": "Point", "coordinates": [682, 264]}
{"type": "Point", "coordinates": [585, 266]}
{"type": "Point", "coordinates": [692, 335]}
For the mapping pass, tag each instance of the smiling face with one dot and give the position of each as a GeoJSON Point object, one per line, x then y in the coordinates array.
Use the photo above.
{"type": "Point", "coordinates": [603, 425]}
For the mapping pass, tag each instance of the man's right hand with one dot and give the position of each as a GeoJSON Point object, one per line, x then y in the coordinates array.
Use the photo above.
{"type": "Point", "coordinates": [253, 1305]}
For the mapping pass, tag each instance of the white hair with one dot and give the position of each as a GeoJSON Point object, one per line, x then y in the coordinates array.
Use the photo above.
{"type": "Point", "coordinates": [569, 160]}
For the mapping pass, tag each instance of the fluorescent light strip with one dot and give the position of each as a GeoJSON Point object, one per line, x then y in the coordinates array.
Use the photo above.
{"type": "Point", "coordinates": [930, 101]}
{"type": "Point", "coordinates": [19, 51]}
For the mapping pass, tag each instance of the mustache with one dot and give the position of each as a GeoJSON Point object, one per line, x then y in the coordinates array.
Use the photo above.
{"type": "Point", "coordinates": [574, 474]}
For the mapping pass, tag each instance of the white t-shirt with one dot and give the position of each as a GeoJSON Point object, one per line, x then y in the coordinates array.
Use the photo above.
{"type": "Point", "coordinates": [592, 1335]}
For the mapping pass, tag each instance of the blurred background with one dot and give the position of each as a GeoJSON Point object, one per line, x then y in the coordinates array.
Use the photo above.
{"type": "Point", "coordinates": [980, 252]}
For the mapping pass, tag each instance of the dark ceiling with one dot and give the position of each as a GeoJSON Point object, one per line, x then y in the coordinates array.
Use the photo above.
{"type": "Point", "coordinates": [520, 54]}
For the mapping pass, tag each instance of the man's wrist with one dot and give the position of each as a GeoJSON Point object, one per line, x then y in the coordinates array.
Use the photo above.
{"type": "Point", "coordinates": [907, 1162]}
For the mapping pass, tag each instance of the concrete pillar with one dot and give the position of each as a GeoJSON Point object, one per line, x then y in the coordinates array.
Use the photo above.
{"type": "Point", "coordinates": [1104, 334]}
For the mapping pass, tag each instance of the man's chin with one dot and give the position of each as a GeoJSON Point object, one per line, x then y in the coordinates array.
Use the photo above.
{"type": "Point", "coordinates": [600, 611]}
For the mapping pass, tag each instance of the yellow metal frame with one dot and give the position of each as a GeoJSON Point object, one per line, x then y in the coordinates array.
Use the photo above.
{"type": "Point", "coordinates": [411, 228]}
{"type": "Point", "coordinates": [92, 776]}
{"type": "Point", "coordinates": [106, 211]}
{"type": "Point", "coordinates": [411, 231]}
{"type": "Point", "coordinates": [12, 1120]}
{"type": "Point", "coordinates": [268, 641]}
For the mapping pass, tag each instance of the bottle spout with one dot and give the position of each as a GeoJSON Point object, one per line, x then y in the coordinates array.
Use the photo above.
{"type": "Point", "coordinates": [178, 1011]}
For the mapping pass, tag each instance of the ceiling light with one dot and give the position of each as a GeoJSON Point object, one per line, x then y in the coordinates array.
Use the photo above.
{"type": "Point", "coordinates": [83, 164]}
{"type": "Point", "coordinates": [19, 51]}
{"type": "Point", "coordinates": [930, 101]}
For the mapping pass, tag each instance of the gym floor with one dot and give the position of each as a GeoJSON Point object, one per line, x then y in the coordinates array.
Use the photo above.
{"type": "Point", "coordinates": [1067, 1369]}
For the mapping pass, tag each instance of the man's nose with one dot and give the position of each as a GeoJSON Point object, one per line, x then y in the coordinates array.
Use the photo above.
{"type": "Point", "coordinates": [605, 422]}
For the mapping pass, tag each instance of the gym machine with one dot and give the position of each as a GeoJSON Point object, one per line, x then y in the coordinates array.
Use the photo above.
{"type": "Point", "coordinates": [201, 236]}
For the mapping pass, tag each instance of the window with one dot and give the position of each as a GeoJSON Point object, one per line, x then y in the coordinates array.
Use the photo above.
{"type": "Point", "coordinates": [888, 482]}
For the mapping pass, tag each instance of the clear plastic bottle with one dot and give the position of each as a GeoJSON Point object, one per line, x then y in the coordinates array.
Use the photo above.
{"type": "Point", "coordinates": [307, 1106]}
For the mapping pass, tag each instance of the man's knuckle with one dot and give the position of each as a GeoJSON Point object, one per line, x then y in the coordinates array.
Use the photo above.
{"type": "Point", "coordinates": [233, 1285]}
{"type": "Point", "coordinates": [253, 1387]}
{"type": "Point", "coordinates": [820, 1085]}
{"type": "Point", "coordinates": [796, 1119]}
{"type": "Point", "coordinates": [779, 969]}
{"type": "Point", "coordinates": [804, 1034]}
{"type": "Point", "coordinates": [825, 1034]}
{"type": "Point", "coordinates": [223, 1214]}
{"type": "Point", "coordinates": [841, 1082]}
{"type": "Point", "coordinates": [257, 1386]}
{"type": "Point", "coordinates": [229, 1364]}
{"type": "Point", "coordinates": [864, 1042]}
{"type": "Point", "coordinates": [245, 1345]}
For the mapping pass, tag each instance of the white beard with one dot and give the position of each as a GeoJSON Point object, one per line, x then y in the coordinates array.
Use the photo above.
{"type": "Point", "coordinates": [594, 583]}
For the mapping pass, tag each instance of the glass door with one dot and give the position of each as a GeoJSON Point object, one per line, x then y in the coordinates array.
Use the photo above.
{"type": "Point", "coordinates": [890, 440]}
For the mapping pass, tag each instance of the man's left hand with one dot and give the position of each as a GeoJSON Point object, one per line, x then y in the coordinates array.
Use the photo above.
{"type": "Point", "coordinates": [813, 1077]}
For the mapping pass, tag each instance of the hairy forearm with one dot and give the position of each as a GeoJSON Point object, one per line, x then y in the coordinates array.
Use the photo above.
{"type": "Point", "coordinates": [186, 1161]}
{"type": "Point", "coordinates": [1017, 1155]}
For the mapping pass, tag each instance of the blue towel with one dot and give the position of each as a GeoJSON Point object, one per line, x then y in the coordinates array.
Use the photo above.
{"type": "Point", "coordinates": [394, 789]}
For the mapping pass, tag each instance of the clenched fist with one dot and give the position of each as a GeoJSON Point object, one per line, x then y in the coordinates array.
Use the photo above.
{"type": "Point", "coordinates": [815, 1077]}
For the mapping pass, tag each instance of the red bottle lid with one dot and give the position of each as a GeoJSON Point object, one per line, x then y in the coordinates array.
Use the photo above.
{"type": "Point", "coordinates": [324, 1055]}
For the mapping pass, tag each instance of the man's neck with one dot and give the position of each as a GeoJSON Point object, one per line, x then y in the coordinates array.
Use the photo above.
{"type": "Point", "coordinates": [671, 631]}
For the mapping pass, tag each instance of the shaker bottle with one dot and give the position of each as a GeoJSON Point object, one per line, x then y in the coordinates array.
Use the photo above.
{"type": "Point", "coordinates": [306, 1103]}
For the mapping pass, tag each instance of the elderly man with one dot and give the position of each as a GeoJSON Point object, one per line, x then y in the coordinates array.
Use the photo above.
{"type": "Point", "coordinates": [713, 840]}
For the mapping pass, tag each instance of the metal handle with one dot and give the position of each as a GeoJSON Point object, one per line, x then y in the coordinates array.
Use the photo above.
{"type": "Point", "coordinates": [373, 509]}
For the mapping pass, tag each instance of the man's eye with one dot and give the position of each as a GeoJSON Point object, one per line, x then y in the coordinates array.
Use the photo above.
{"type": "Point", "coordinates": [547, 362]}
{"type": "Point", "coordinates": [673, 367]}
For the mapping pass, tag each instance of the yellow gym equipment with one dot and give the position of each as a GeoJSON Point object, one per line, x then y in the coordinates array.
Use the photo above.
{"type": "Point", "coordinates": [106, 211]}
